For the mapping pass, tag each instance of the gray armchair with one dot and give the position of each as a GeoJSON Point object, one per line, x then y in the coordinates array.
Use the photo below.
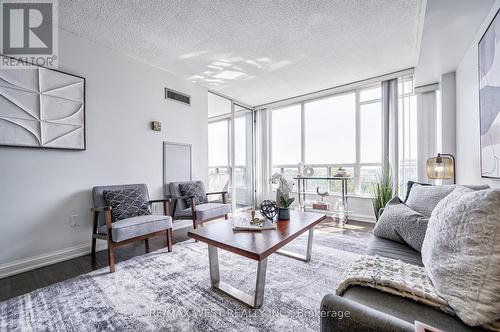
{"type": "Point", "coordinates": [199, 213]}
{"type": "Point", "coordinates": [128, 230]}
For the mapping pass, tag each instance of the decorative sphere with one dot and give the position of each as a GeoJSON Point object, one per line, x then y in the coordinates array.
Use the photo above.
{"type": "Point", "coordinates": [269, 209]}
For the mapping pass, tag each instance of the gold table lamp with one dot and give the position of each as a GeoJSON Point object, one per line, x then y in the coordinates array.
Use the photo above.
{"type": "Point", "coordinates": [441, 167]}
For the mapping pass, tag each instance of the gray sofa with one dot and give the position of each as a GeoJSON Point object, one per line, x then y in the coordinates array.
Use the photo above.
{"type": "Point", "coordinates": [373, 310]}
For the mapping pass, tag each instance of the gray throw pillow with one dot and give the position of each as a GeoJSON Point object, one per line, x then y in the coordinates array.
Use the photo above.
{"type": "Point", "coordinates": [400, 223]}
{"type": "Point", "coordinates": [126, 203]}
{"type": "Point", "coordinates": [195, 189]}
{"type": "Point", "coordinates": [409, 185]}
{"type": "Point", "coordinates": [424, 199]}
{"type": "Point", "coordinates": [461, 253]}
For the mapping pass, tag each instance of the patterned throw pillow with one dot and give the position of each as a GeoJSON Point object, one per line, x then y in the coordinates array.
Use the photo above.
{"type": "Point", "coordinates": [400, 223]}
{"type": "Point", "coordinates": [193, 189]}
{"type": "Point", "coordinates": [126, 203]}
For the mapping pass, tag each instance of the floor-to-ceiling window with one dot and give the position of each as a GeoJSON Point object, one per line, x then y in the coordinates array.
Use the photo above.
{"type": "Point", "coordinates": [219, 148]}
{"type": "Point", "coordinates": [243, 156]}
{"type": "Point", "coordinates": [230, 150]}
{"type": "Point", "coordinates": [343, 130]}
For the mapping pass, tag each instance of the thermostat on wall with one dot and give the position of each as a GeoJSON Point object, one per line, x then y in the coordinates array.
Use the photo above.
{"type": "Point", "coordinates": [156, 125]}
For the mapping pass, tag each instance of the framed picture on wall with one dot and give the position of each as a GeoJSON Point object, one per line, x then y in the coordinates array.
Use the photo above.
{"type": "Point", "coordinates": [489, 99]}
{"type": "Point", "coordinates": [41, 108]}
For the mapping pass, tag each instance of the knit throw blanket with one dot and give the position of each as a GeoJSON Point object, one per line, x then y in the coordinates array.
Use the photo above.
{"type": "Point", "coordinates": [398, 278]}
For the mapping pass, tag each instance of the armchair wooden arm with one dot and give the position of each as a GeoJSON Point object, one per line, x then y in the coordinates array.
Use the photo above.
{"type": "Point", "coordinates": [101, 209]}
{"type": "Point", "coordinates": [175, 199]}
{"type": "Point", "coordinates": [217, 193]}
{"type": "Point", "coordinates": [183, 197]}
{"type": "Point", "coordinates": [160, 200]}
{"type": "Point", "coordinates": [166, 205]}
{"type": "Point", "coordinates": [223, 193]}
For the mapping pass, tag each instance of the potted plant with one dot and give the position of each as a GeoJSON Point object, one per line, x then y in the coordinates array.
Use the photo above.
{"type": "Point", "coordinates": [383, 190]}
{"type": "Point", "coordinates": [284, 207]}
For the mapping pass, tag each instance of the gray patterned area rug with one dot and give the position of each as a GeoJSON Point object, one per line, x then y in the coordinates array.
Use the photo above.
{"type": "Point", "coordinates": [170, 292]}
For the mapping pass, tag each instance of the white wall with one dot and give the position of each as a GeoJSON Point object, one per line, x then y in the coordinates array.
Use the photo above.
{"type": "Point", "coordinates": [40, 189]}
{"type": "Point", "coordinates": [426, 131]}
{"type": "Point", "coordinates": [467, 119]}
{"type": "Point", "coordinates": [446, 128]}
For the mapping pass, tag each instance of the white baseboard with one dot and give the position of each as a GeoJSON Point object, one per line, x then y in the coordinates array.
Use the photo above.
{"type": "Point", "coordinates": [362, 217]}
{"type": "Point", "coordinates": [31, 263]}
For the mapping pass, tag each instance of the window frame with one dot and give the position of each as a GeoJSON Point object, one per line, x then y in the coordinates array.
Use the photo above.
{"type": "Point", "coordinates": [400, 178]}
{"type": "Point", "coordinates": [228, 117]}
{"type": "Point", "coordinates": [358, 164]}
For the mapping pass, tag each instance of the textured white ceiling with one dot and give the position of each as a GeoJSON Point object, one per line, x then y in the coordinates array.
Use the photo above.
{"type": "Point", "coordinates": [256, 51]}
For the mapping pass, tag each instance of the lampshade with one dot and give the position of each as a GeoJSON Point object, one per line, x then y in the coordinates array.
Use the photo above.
{"type": "Point", "coordinates": [441, 167]}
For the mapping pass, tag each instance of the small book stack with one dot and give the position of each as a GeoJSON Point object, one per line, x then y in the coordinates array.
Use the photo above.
{"type": "Point", "coordinates": [243, 224]}
{"type": "Point", "coordinates": [321, 206]}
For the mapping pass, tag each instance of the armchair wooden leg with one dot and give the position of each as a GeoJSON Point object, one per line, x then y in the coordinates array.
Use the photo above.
{"type": "Point", "coordinates": [92, 252]}
{"type": "Point", "coordinates": [147, 244]}
{"type": "Point", "coordinates": [169, 239]}
{"type": "Point", "coordinates": [111, 257]}
{"type": "Point", "coordinates": [94, 232]}
{"type": "Point", "coordinates": [226, 216]}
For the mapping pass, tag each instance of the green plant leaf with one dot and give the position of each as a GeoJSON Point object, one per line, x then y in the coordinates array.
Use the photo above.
{"type": "Point", "coordinates": [284, 202]}
{"type": "Point", "coordinates": [383, 189]}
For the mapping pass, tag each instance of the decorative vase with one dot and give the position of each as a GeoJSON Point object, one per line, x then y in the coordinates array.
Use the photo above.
{"type": "Point", "coordinates": [284, 213]}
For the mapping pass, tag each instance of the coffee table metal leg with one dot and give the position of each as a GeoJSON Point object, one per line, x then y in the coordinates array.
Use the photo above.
{"type": "Point", "coordinates": [213, 261]}
{"type": "Point", "coordinates": [254, 301]}
{"type": "Point", "coordinates": [260, 283]}
{"type": "Point", "coordinates": [307, 256]}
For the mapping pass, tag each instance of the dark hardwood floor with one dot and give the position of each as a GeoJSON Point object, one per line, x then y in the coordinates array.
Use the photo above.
{"type": "Point", "coordinates": [29, 281]}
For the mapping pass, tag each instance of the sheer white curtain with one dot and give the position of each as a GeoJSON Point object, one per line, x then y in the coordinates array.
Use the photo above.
{"type": "Point", "coordinates": [401, 125]}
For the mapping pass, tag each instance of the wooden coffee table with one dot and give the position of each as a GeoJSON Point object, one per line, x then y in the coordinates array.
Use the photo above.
{"type": "Point", "coordinates": [254, 245]}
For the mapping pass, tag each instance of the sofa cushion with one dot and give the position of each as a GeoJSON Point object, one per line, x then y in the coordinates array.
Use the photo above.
{"type": "Point", "coordinates": [400, 223]}
{"type": "Point", "coordinates": [195, 189]}
{"type": "Point", "coordinates": [206, 211]}
{"type": "Point", "coordinates": [137, 226]}
{"type": "Point", "coordinates": [424, 199]}
{"type": "Point", "coordinates": [126, 203]}
{"type": "Point", "coordinates": [461, 252]}
{"type": "Point", "coordinates": [394, 250]}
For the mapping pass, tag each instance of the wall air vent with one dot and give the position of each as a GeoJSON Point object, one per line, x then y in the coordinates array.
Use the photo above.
{"type": "Point", "coordinates": [177, 96]}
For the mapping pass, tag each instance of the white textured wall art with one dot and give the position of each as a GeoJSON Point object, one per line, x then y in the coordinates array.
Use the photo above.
{"type": "Point", "coordinates": [489, 99]}
{"type": "Point", "coordinates": [42, 108]}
